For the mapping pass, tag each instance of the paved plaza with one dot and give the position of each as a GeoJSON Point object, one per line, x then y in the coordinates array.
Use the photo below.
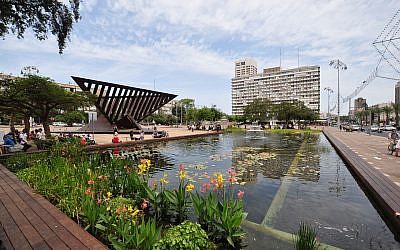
{"type": "Point", "coordinates": [373, 149]}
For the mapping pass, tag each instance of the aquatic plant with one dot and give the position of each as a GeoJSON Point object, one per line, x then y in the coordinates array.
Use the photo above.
{"type": "Point", "coordinates": [306, 238]}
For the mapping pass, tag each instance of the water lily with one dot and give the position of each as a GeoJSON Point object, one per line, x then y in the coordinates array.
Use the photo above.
{"type": "Point", "coordinates": [90, 182]}
{"type": "Point", "coordinates": [88, 191]}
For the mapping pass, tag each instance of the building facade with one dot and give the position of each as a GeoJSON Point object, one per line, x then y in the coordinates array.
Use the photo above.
{"type": "Point", "coordinates": [245, 67]}
{"type": "Point", "coordinates": [360, 104]}
{"type": "Point", "coordinates": [275, 84]}
{"type": "Point", "coordinates": [397, 93]}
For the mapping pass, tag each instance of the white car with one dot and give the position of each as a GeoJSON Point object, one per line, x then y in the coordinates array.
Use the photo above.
{"type": "Point", "coordinates": [376, 128]}
{"type": "Point", "coordinates": [77, 124]}
{"type": "Point", "coordinates": [388, 128]}
{"type": "Point", "coordinates": [59, 124]}
{"type": "Point", "coordinates": [355, 127]}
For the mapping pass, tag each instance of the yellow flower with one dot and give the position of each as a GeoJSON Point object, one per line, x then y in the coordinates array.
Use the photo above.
{"type": "Point", "coordinates": [143, 168]}
{"type": "Point", "coordinates": [189, 187]}
{"type": "Point", "coordinates": [163, 181]}
{"type": "Point", "coordinates": [130, 209]}
{"type": "Point", "coordinates": [182, 175]}
{"type": "Point", "coordinates": [135, 212]}
{"type": "Point", "coordinates": [109, 194]}
{"type": "Point", "coordinates": [220, 178]}
{"type": "Point", "coordinates": [108, 208]}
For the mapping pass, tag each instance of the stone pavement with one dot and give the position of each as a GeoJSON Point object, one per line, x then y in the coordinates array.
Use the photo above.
{"type": "Point", "coordinates": [373, 149]}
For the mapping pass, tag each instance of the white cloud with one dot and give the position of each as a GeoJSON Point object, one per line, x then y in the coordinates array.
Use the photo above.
{"type": "Point", "coordinates": [137, 39]}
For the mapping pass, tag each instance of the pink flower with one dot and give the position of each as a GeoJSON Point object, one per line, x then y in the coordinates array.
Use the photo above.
{"type": "Point", "coordinates": [240, 194]}
{"type": "Point", "coordinates": [90, 182]}
{"type": "Point", "coordinates": [144, 204]}
{"type": "Point", "coordinates": [181, 167]}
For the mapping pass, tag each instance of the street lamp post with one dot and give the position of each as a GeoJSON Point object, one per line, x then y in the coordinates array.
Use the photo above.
{"type": "Point", "coordinates": [330, 91]}
{"type": "Point", "coordinates": [339, 65]}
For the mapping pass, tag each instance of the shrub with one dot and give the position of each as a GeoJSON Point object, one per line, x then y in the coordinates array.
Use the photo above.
{"type": "Point", "coordinates": [187, 235]}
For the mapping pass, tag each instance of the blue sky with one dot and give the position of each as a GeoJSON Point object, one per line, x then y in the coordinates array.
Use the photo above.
{"type": "Point", "coordinates": [189, 47]}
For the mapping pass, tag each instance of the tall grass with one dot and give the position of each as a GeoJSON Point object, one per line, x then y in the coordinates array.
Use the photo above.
{"type": "Point", "coordinates": [306, 238]}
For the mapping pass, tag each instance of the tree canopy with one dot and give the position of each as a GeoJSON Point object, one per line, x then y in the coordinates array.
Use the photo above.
{"type": "Point", "coordinates": [39, 96]}
{"type": "Point", "coordinates": [43, 17]}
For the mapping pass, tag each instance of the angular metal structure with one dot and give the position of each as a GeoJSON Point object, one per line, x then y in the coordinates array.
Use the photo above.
{"type": "Point", "coordinates": [122, 105]}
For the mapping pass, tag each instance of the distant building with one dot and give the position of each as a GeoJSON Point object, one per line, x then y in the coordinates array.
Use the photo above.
{"type": "Point", "coordinates": [360, 104]}
{"type": "Point", "coordinates": [167, 108]}
{"type": "Point", "coordinates": [246, 67]}
{"type": "Point", "coordinates": [397, 93]}
{"type": "Point", "coordinates": [275, 84]}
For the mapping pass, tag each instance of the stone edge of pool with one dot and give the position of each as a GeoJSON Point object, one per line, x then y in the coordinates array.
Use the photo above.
{"type": "Point", "coordinates": [367, 177]}
{"type": "Point", "coordinates": [150, 141]}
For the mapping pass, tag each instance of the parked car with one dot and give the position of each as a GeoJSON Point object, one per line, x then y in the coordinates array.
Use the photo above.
{"type": "Point", "coordinates": [355, 127]}
{"type": "Point", "coordinates": [77, 124]}
{"type": "Point", "coordinates": [376, 128]}
{"type": "Point", "coordinates": [59, 124]}
{"type": "Point", "coordinates": [388, 128]}
{"type": "Point", "coordinates": [160, 134]}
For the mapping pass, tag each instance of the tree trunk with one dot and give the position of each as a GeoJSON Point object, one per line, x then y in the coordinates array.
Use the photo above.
{"type": "Point", "coordinates": [397, 119]}
{"type": "Point", "coordinates": [46, 127]}
{"type": "Point", "coordinates": [12, 122]}
{"type": "Point", "coordinates": [27, 123]}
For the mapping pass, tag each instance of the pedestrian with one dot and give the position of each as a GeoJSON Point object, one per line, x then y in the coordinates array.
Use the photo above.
{"type": "Point", "coordinates": [115, 128]}
{"type": "Point", "coordinates": [115, 139]}
{"type": "Point", "coordinates": [23, 140]}
{"type": "Point", "coordinates": [340, 127]}
{"type": "Point", "coordinates": [397, 148]}
{"type": "Point", "coordinates": [141, 135]}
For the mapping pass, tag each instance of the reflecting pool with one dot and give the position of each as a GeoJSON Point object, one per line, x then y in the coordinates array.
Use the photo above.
{"type": "Point", "coordinates": [287, 178]}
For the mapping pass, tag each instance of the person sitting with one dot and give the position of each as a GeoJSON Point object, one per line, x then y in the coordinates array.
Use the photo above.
{"type": "Point", "coordinates": [115, 139]}
{"type": "Point", "coordinates": [23, 140]}
{"type": "Point", "coordinates": [141, 135]}
{"type": "Point", "coordinates": [8, 140]}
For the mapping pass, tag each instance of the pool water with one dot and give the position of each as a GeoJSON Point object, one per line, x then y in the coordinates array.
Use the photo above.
{"type": "Point", "coordinates": [287, 179]}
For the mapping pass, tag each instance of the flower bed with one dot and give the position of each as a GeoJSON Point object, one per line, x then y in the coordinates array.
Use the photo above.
{"type": "Point", "coordinates": [111, 198]}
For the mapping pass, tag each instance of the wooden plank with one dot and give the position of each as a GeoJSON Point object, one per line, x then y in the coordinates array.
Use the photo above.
{"type": "Point", "coordinates": [14, 234]}
{"type": "Point", "coordinates": [24, 203]}
{"type": "Point", "coordinates": [66, 229]}
{"type": "Point", "coordinates": [4, 240]}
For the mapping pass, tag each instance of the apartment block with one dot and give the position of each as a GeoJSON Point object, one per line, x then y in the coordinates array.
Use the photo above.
{"type": "Point", "coordinates": [275, 84]}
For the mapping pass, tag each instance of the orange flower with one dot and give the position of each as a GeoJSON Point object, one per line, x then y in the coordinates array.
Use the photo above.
{"type": "Point", "coordinates": [90, 182]}
{"type": "Point", "coordinates": [88, 191]}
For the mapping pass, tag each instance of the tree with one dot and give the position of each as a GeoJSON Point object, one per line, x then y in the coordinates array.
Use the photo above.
{"type": "Point", "coordinates": [285, 111]}
{"type": "Point", "coordinates": [396, 109]}
{"type": "Point", "coordinates": [260, 110]}
{"type": "Point", "coordinates": [376, 111]}
{"type": "Point", "coordinates": [387, 110]}
{"type": "Point", "coordinates": [71, 117]}
{"type": "Point", "coordinates": [41, 96]}
{"type": "Point", "coordinates": [43, 17]}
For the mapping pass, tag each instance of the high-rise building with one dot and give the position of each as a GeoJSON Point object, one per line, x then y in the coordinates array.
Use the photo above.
{"type": "Point", "coordinates": [275, 84]}
{"type": "Point", "coordinates": [397, 93]}
{"type": "Point", "coordinates": [246, 67]}
{"type": "Point", "coordinates": [360, 104]}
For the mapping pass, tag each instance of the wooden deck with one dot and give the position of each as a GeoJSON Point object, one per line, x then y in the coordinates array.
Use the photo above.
{"type": "Point", "coordinates": [29, 221]}
{"type": "Point", "coordinates": [384, 192]}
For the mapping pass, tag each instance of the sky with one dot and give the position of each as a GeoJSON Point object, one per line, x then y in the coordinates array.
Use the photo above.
{"type": "Point", "coordinates": [189, 47]}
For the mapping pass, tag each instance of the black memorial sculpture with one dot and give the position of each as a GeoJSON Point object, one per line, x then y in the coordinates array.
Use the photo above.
{"type": "Point", "coordinates": [122, 105]}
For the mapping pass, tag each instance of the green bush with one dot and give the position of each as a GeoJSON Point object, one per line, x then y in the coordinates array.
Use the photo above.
{"type": "Point", "coordinates": [187, 235]}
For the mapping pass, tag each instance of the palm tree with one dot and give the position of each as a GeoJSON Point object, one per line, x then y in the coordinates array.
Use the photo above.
{"type": "Point", "coordinates": [396, 109]}
{"type": "Point", "coordinates": [387, 110]}
{"type": "Point", "coordinates": [376, 111]}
